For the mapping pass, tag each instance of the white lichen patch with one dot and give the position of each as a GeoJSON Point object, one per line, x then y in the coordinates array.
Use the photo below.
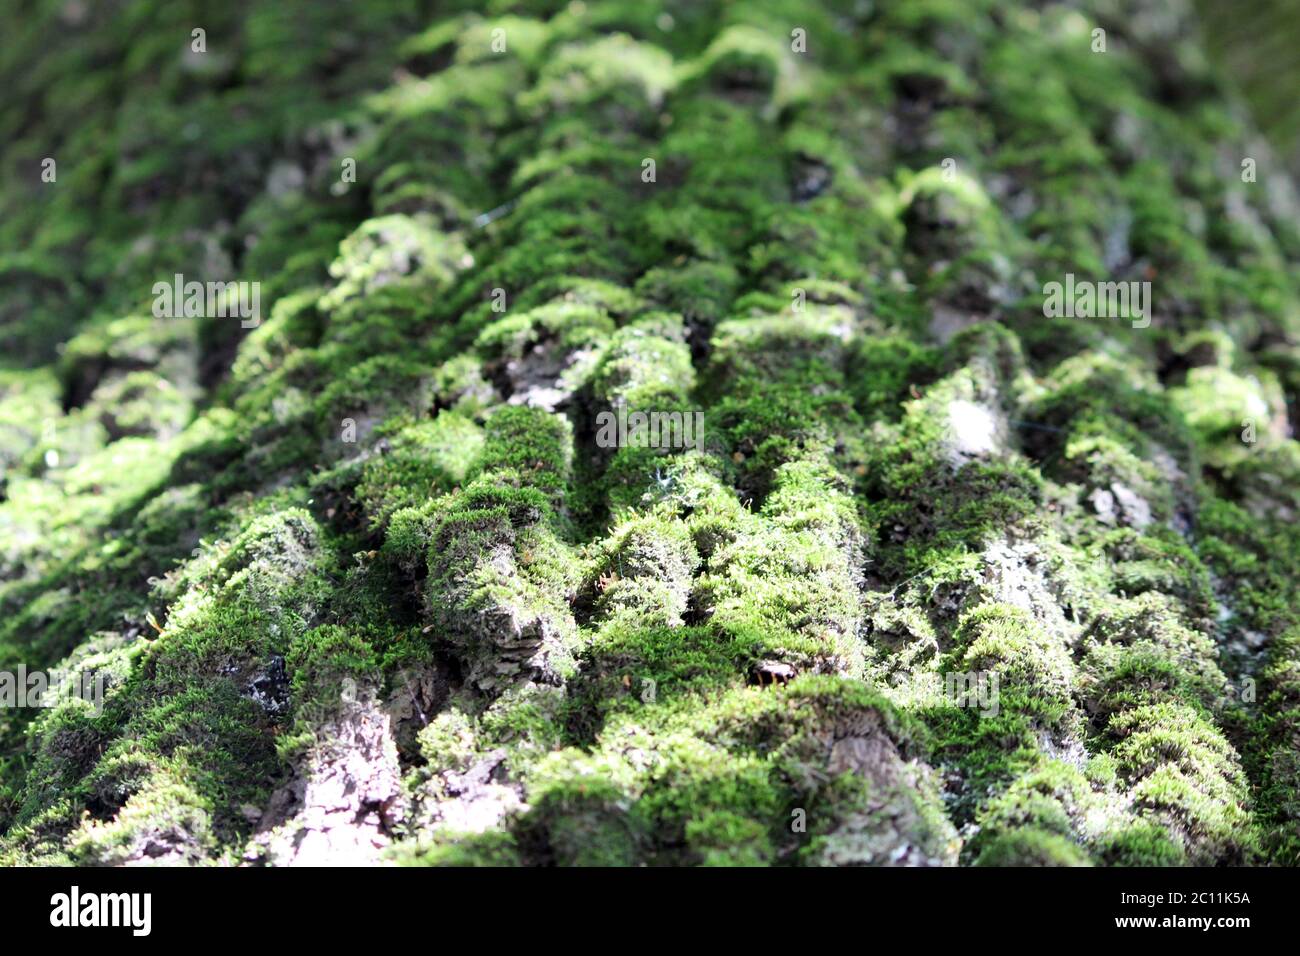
{"type": "Point", "coordinates": [344, 798]}
{"type": "Point", "coordinates": [973, 431]}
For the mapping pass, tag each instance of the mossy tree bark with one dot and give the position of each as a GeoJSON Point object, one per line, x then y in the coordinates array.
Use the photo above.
{"type": "Point", "coordinates": [945, 579]}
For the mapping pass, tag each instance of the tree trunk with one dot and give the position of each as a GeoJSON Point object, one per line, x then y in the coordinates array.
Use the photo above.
{"type": "Point", "coordinates": [768, 433]}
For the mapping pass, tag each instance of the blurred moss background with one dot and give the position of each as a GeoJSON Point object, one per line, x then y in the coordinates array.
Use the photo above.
{"type": "Point", "coordinates": [1256, 43]}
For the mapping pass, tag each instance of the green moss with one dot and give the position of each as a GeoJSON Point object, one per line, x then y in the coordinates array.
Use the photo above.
{"type": "Point", "coordinates": [578, 816]}
{"type": "Point", "coordinates": [746, 62]}
{"type": "Point", "coordinates": [614, 74]}
{"type": "Point", "coordinates": [625, 668]}
{"type": "Point", "coordinates": [890, 367]}
{"type": "Point", "coordinates": [388, 249]}
{"type": "Point", "coordinates": [1217, 404]}
{"type": "Point", "coordinates": [728, 654]}
{"type": "Point", "coordinates": [1186, 777]}
{"type": "Point", "coordinates": [644, 577]}
{"type": "Point", "coordinates": [1030, 847]}
{"type": "Point", "coordinates": [420, 461]}
{"type": "Point", "coordinates": [321, 659]}
{"type": "Point", "coordinates": [527, 440]}
{"type": "Point", "coordinates": [647, 365]}
{"type": "Point", "coordinates": [1143, 843]}
{"type": "Point", "coordinates": [500, 577]}
{"type": "Point", "coordinates": [1141, 653]}
{"type": "Point", "coordinates": [700, 291]}
{"type": "Point", "coordinates": [493, 848]}
{"type": "Point", "coordinates": [789, 578]}
{"type": "Point", "coordinates": [448, 740]}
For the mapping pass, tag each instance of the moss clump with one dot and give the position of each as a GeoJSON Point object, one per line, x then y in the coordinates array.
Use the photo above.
{"type": "Point", "coordinates": [796, 773]}
{"type": "Point", "coordinates": [1185, 776]}
{"type": "Point", "coordinates": [418, 462]}
{"type": "Point", "coordinates": [1031, 848]}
